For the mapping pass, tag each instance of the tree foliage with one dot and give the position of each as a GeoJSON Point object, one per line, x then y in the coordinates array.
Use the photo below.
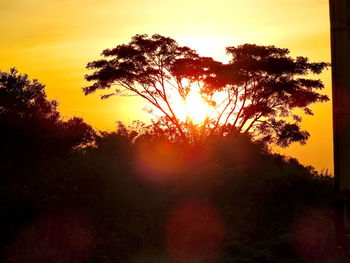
{"type": "Point", "coordinates": [29, 120]}
{"type": "Point", "coordinates": [122, 198]}
{"type": "Point", "coordinates": [256, 92]}
{"type": "Point", "coordinates": [98, 204]}
{"type": "Point", "coordinates": [143, 67]}
{"type": "Point", "coordinates": [269, 84]}
{"type": "Point", "coordinates": [23, 99]}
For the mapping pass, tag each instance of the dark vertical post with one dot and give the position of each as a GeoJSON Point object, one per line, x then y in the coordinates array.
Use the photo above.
{"type": "Point", "coordinates": [340, 43]}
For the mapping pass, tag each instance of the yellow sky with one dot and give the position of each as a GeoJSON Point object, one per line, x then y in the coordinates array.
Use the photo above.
{"type": "Point", "coordinates": [52, 40]}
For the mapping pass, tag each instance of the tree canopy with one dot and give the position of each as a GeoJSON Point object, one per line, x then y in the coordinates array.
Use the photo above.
{"type": "Point", "coordinates": [256, 92]}
{"type": "Point", "coordinates": [30, 121]}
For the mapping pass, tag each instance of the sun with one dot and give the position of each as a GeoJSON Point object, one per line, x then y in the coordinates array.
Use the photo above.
{"type": "Point", "coordinates": [196, 108]}
{"type": "Point", "coordinates": [193, 109]}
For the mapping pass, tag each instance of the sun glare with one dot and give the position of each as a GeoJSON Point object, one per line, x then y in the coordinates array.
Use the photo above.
{"type": "Point", "coordinates": [196, 108]}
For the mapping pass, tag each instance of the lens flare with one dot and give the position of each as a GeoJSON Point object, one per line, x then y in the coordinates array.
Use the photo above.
{"type": "Point", "coordinates": [314, 238]}
{"type": "Point", "coordinates": [195, 231]}
{"type": "Point", "coordinates": [159, 163]}
{"type": "Point", "coordinates": [66, 236]}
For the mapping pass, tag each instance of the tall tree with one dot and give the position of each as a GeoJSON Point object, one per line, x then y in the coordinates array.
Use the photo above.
{"type": "Point", "coordinates": [262, 87]}
{"type": "Point", "coordinates": [256, 92]}
{"type": "Point", "coordinates": [144, 67]}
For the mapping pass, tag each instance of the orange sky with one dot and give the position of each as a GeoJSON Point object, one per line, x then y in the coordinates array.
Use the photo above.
{"type": "Point", "coordinates": [52, 40]}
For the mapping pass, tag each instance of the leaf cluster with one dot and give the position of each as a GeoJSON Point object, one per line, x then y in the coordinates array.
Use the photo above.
{"type": "Point", "coordinates": [256, 92]}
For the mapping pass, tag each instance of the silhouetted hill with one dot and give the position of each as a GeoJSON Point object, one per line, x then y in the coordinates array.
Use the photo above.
{"type": "Point", "coordinates": [69, 195]}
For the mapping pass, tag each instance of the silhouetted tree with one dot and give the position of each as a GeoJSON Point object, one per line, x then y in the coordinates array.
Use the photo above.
{"type": "Point", "coordinates": [22, 99]}
{"type": "Point", "coordinates": [144, 68]}
{"type": "Point", "coordinates": [255, 92]}
{"type": "Point", "coordinates": [35, 148]}
{"type": "Point", "coordinates": [31, 122]}
{"type": "Point", "coordinates": [263, 87]}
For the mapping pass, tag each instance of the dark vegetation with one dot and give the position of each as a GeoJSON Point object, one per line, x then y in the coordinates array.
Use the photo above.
{"type": "Point", "coordinates": [259, 90]}
{"type": "Point", "coordinates": [69, 194]}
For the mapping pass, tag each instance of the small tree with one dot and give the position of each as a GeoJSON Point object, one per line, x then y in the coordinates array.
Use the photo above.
{"type": "Point", "coordinates": [256, 92]}
{"type": "Point", "coordinates": [30, 123]}
{"type": "Point", "coordinates": [22, 99]}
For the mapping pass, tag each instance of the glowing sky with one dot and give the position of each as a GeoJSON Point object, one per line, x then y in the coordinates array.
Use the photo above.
{"type": "Point", "coordinates": [52, 40]}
